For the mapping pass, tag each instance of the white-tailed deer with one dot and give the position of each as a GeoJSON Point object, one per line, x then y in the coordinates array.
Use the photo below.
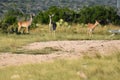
{"type": "Point", "coordinates": [50, 22]}
{"type": "Point", "coordinates": [25, 24]}
{"type": "Point", "coordinates": [91, 27]}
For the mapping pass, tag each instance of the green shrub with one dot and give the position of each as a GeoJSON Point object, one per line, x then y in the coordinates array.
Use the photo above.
{"type": "Point", "coordinates": [104, 14]}
{"type": "Point", "coordinates": [8, 23]}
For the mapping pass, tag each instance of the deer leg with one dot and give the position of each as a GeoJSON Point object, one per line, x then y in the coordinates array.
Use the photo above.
{"type": "Point", "coordinates": [19, 28]}
{"type": "Point", "coordinates": [24, 30]}
{"type": "Point", "coordinates": [27, 30]}
{"type": "Point", "coordinates": [112, 34]}
{"type": "Point", "coordinates": [89, 31]}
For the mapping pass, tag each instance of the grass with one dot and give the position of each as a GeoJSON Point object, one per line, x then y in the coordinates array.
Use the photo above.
{"type": "Point", "coordinates": [86, 68]}
{"type": "Point", "coordinates": [46, 50]}
{"type": "Point", "coordinates": [11, 42]}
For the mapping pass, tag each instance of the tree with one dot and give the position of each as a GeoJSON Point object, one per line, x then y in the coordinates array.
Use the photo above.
{"type": "Point", "coordinates": [60, 13]}
{"type": "Point", "coordinates": [9, 19]}
{"type": "Point", "coordinates": [104, 14]}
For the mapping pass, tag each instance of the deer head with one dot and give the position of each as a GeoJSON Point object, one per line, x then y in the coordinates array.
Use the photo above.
{"type": "Point", "coordinates": [96, 22]}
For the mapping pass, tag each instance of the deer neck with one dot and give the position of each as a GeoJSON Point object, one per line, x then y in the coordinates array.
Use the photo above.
{"type": "Point", "coordinates": [50, 21]}
{"type": "Point", "coordinates": [31, 18]}
{"type": "Point", "coordinates": [30, 21]}
{"type": "Point", "coordinates": [94, 26]}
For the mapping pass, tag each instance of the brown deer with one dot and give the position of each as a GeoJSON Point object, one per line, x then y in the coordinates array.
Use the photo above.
{"type": "Point", "coordinates": [25, 24]}
{"type": "Point", "coordinates": [91, 27]}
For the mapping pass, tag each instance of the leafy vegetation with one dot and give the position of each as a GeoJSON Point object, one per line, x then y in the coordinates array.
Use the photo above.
{"type": "Point", "coordinates": [9, 22]}
{"type": "Point", "coordinates": [60, 13]}
{"type": "Point", "coordinates": [35, 6]}
{"type": "Point", "coordinates": [104, 14]}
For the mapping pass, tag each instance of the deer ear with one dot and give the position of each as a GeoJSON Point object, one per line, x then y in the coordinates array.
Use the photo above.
{"type": "Point", "coordinates": [53, 14]}
{"type": "Point", "coordinates": [96, 20]}
{"type": "Point", "coordinates": [33, 14]}
{"type": "Point", "coordinates": [49, 15]}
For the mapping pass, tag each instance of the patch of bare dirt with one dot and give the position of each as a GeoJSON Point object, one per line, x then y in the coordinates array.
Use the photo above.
{"type": "Point", "coordinates": [68, 49]}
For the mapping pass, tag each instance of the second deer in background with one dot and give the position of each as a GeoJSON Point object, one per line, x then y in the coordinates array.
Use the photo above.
{"type": "Point", "coordinates": [52, 24]}
{"type": "Point", "coordinates": [91, 27]}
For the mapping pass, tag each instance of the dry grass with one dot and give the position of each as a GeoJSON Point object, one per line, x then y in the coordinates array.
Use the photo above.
{"type": "Point", "coordinates": [87, 68]}
{"type": "Point", "coordinates": [10, 42]}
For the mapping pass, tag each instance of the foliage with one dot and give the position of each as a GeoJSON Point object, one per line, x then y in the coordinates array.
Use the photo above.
{"type": "Point", "coordinates": [60, 13]}
{"type": "Point", "coordinates": [8, 23]}
{"type": "Point", "coordinates": [36, 5]}
{"type": "Point", "coordinates": [104, 14]}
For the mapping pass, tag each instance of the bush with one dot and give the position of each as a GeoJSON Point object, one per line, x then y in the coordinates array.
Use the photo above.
{"type": "Point", "coordinates": [8, 23]}
{"type": "Point", "coordinates": [60, 13]}
{"type": "Point", "coordinates": [104, 14]}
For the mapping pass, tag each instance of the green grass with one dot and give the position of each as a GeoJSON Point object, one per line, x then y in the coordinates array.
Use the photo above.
{"type": "Point", "coordinates": [11, 42]}
{"type": "Point", "coordinates": [86, 68]}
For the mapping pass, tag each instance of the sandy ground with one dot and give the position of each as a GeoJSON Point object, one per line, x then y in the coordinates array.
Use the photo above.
{"type": "Point", "coordinates": [67, 49]}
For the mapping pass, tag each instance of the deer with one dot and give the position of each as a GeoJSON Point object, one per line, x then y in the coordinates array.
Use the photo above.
{"type": "Point", "coordinates": [50, 22]}
{"type": "Point", "coordinates": [91, 27]}
{"type": "Point", "coordinates": [52, 25]}
{"type": "Point", "coordinates": [25, 24]}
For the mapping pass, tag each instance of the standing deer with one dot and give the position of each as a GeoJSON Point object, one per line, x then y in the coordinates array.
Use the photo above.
{"type": "Point", "coordinates": [50, 22]}
{"type": "Point", "coordinates": [52, 25]}
{"type": "Point", "coordinates": [91, 27]}
{"type": "Point", "coordinates": [25, 24]}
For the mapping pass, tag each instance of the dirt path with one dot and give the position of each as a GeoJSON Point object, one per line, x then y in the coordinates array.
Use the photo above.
{"type": "Point", "coordinates": [68, 49]}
